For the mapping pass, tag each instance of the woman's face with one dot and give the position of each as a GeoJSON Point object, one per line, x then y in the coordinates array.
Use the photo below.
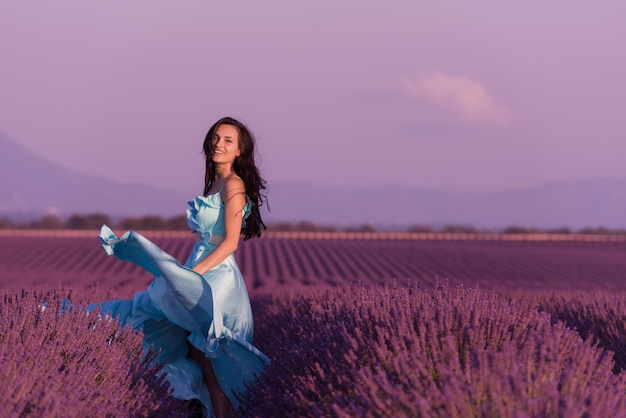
{"type": "Point", "coordinates": [225, 144]}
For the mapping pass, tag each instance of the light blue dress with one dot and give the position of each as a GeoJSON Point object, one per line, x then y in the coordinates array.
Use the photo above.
{"type": "Point", "coordinates": [211, 311]}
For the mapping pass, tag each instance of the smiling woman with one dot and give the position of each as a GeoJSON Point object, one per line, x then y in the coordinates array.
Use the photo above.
{"type": "Point", "coordinates": [198, 314]}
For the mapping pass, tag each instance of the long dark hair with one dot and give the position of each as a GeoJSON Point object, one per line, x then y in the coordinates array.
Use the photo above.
{"type": "Point", "coordinates": [245, 168]}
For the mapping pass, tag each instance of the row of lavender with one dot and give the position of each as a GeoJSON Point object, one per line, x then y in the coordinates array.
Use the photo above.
{"type": "Point", "coordinates": [445, 352]}
{"type": "Point", "coordinates": [346, 351]}
{"type": "Point", "coordinates": [274, 262]}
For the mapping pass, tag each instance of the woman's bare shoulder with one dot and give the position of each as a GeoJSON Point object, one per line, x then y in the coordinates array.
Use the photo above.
{"type": "Point", "coordinates": [234, 183]}
{"type": "Point", "coordinates": [234, 188]}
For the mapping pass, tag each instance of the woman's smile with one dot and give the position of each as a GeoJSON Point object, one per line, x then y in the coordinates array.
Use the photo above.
{"type": "Point", "coordinates": [226, 143]}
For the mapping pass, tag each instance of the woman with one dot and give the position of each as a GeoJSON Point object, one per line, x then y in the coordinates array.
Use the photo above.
{"type": "Point", "coordinates": [199, 314]}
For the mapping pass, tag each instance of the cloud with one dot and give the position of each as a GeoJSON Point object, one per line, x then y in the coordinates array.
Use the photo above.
{"type": "Point", "coordinates": [52, 210]}
{"type": "Point", "coordinates": [466, 97]}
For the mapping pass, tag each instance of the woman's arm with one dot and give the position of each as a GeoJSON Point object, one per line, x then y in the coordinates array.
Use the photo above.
{"type": "Point", "coordinates": [234, 198]}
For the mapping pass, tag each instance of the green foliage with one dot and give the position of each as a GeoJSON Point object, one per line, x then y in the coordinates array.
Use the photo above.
{"type": "Point", "coordinates": [601, 230]}
{"type": "Point", "coordinates": [519, 230]}
{"type": "Point", "coordinates": [89, 221]}
{"type": "Point", "coordinates": [49, 222]}
{"type": "Point", "coordinates": [459, 229]}
{"type": "Point", "coordinates": [5, 223]}
{"type": "Point", "coordinates": [420, 229]}
{"type": "Point", "coordinates": [303, 226]}
{"type": "Point", "coordinates": [156, 222]}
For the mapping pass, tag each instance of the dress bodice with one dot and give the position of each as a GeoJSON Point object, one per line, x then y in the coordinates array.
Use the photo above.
{"type": "Point", "coordinates": [206, 215]}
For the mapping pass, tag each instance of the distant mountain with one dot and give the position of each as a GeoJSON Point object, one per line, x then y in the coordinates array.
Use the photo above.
{"type": "Point", "coordinates": [31, 186]}
{"type": "Point", "coordinates": [578, 204]}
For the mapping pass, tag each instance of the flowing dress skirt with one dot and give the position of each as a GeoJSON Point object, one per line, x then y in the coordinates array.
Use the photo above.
{"type": "Point", "coordinates": [211, 311]}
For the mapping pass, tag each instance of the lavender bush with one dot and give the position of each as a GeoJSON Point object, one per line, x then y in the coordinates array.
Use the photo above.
{"type": "Point", "coordinates": [72, 364]}
{"type": "Point", "coordinates": [358, 351]}
{"type": "Point", "coordinates": [598, 315]}
{"type": "Point", "coordinates": [340, 352]}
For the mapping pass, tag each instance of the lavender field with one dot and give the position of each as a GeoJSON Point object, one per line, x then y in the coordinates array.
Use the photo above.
{"type": "Point", "coordinates": [288, 260]}
{"type": "Point", "coordinates": [355, 325]}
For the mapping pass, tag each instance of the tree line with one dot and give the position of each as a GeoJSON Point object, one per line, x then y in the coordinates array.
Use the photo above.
{"type": "Point", "coordinates": [179, 223]}
{"type": "Point", "coordinates": [96, 220]}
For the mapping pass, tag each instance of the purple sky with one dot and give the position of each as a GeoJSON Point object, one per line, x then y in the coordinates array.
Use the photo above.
{"type": "Point", "coordinates": [465, 95]}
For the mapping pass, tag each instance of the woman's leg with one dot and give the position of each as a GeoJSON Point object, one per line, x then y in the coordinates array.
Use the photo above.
{"type": "Point", "coordinates": [221, 404]}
